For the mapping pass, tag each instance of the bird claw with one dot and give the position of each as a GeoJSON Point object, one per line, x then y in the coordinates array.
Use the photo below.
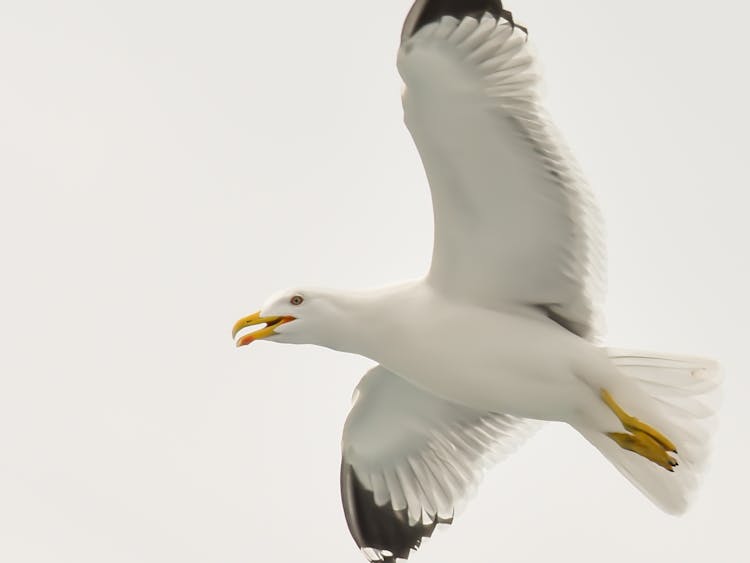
{"type": "Point", "coordinates": [641, 438]}
{"type": "Point", "coordinates": [632, 424]}
{"type": "Point", "coordinates": [646, 446]}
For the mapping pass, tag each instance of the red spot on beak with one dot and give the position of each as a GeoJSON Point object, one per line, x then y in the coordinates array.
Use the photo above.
{"type": "Point", "coordinates": [245, 340]}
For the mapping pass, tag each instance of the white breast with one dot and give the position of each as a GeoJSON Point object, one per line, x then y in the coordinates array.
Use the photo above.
{"type": "Point", "coordinates": [488, 360]}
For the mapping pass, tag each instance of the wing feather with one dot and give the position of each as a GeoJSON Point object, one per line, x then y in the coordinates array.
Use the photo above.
{"type": "Point", "coordinates": [410, 460]}
{"type": "Point", "coordinates": [515, 223]}
{"type": "Point", "coordinates": [466, 27]}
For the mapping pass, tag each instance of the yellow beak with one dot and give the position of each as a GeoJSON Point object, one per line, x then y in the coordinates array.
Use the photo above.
{"type": "Point", "coordinates": [255, 319]}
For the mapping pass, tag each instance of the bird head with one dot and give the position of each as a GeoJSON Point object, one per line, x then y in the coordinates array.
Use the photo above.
{"type": "Point", "coordinates": [293, 316]}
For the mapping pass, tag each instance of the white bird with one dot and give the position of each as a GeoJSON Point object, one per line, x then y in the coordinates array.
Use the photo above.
{"type": "Point", "coordinates": [501, 332]}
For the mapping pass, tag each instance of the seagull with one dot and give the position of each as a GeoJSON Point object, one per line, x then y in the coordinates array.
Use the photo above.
{"type": "Point", "coordinates": [502, 333]}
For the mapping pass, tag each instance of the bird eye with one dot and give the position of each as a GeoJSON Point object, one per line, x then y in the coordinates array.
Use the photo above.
{"type": "Point", "coordinates": [297, 300]}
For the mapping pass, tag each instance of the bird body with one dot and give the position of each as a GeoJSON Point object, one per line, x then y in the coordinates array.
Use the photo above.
{"type": "Point", "coordinates": [503, 330]}
{"type": "Point", "coordinates": [517, 362]}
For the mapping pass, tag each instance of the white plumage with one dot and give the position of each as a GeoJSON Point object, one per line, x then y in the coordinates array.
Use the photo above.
{"type": "Point", "coordinates": [420, 453]}
{"type": "Point", "coordinates": [514, 220]}
{"type": "Point", "coordinates": [503, 327]}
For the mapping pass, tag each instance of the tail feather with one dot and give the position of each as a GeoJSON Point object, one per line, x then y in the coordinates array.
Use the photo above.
{"type": "Point", "coordinates": [687, 392]}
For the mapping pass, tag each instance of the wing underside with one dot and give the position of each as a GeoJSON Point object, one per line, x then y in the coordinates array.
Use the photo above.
{"type": "Point", "coordinates": [410, 460]}
{"type": "Point", "coordinates": [515, 223]}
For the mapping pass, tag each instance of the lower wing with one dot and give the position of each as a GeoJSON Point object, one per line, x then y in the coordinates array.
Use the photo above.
{"type": "Point", "coordinates": [410, 459]}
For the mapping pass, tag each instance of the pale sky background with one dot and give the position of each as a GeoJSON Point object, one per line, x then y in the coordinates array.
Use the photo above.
{"type": "Point", "coordinates": [165, 166]}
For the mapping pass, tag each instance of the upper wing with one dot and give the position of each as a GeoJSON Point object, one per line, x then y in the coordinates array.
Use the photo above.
{"type": "Point", "coordinates": [515, 224]}
{"type": "Point", "coordinates": [410, 458]}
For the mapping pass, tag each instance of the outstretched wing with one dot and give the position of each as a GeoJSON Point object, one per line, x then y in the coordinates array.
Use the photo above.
{"type": "Point", "coordinates": [410, 459]}
{"type": "Point", "coordinates": [515, 223]}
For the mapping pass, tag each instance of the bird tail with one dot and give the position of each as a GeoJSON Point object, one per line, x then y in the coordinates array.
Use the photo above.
{"type": "Point", "coordinates": [686, 391]}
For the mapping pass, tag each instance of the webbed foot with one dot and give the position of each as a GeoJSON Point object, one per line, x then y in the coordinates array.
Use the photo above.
{"type": "Point", "coordinates": [642, 438]}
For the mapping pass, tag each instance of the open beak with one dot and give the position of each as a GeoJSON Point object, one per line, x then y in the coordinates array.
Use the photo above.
{"type": "Point", "coordinates": [255, 319]}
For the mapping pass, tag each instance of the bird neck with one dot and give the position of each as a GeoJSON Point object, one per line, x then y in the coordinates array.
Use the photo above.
{"type": "Point", "coordinates": [366, 318]}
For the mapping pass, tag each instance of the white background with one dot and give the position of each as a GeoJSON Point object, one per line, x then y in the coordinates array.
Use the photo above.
{"type": "Point", "coordinates": [165, 166]}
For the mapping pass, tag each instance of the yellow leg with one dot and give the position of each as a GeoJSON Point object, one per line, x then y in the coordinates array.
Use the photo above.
{"type": "Point", "coordinates": [645, 445]}
{"type": "Point", "coordinates": [642, 438]}
{"type": "Point", "coordinates": [634, 425]}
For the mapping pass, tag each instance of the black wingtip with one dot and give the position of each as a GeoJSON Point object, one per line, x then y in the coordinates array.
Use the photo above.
{"type": "Point", "coordinates": [508, 15]}
{"type": "Point", "coordinates": [424, 12]}
{"type": "Point", "coordinates": [380, 528]}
